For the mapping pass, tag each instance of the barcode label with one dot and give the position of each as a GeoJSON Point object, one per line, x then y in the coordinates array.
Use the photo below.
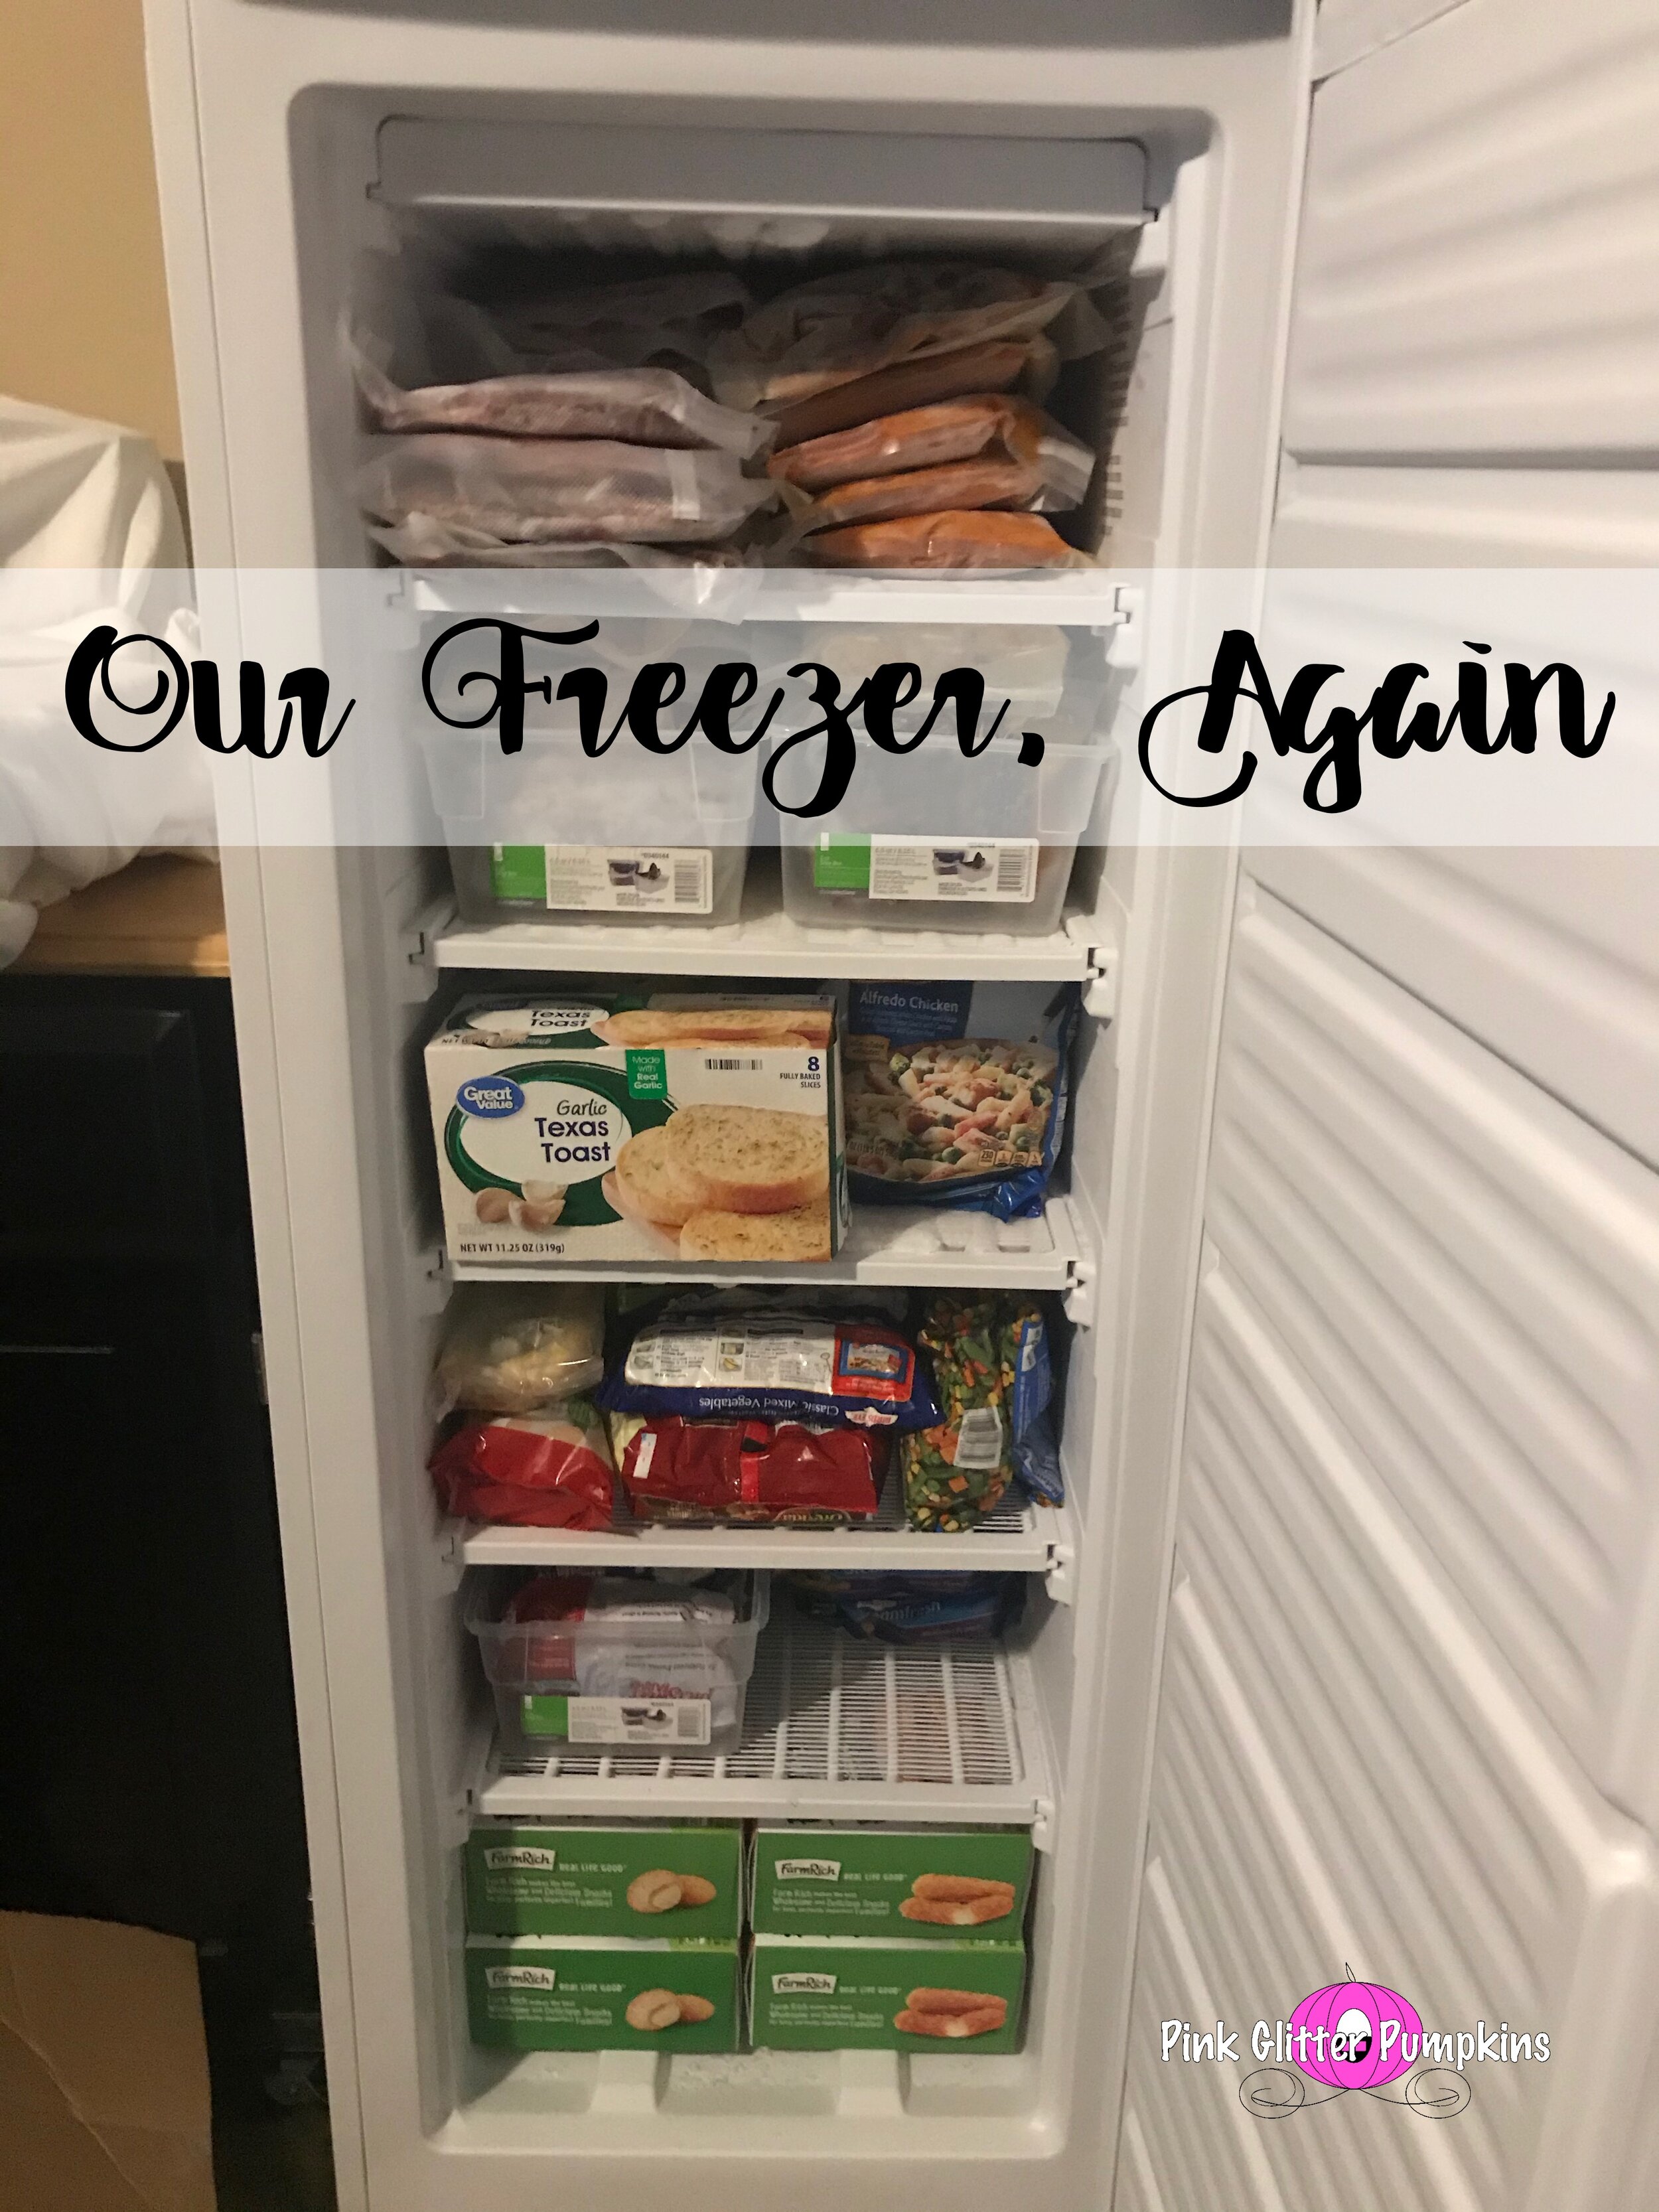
{"type": "Point", "coordinates": [626, 879]}
{"type": "Point", "coordinates": [639, 1720]}
{"type": "Point", "coordinates": [940, 872]}
{"type": "Point", "coordinates": [732, 1067]}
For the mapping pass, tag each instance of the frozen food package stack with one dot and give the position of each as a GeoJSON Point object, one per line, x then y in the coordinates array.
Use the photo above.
{"type": "Point", "coordinates": [523, 1443]}
{"type": "Point", "coordinates": [565, 438]}
{"type": "Point", "coordinates": [901, 441]}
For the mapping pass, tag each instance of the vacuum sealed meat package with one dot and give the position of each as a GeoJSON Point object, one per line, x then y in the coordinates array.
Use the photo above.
{"type": "Point", "coordinates": [992, 427]}
{"type": "Point", "coordinates": [832, 329]}
{"type": "Point", "coordinates": [769, 1473]}
{"type": "Point", "coordinates": [958, 537]}
{"type": "Point", "coordinates": [640, 319]}
{"type": "Point", "coordinates": [635, 406]}
{"type": "Point", "coordinates": [559, 491]}
{"type": "Point", "coordinates": [546, 1470]}
{"type": "Point", "coordinates": [997, 365]}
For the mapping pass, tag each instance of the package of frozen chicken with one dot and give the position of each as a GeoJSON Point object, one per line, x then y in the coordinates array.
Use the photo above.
{"type": "Point", "coordinates": [615, 1128]}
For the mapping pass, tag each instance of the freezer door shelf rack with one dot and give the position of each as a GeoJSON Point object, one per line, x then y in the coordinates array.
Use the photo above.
{"type": "Point", "coordinates": [836, 1728]}
{"type": "Point", "coordinates": [1018, 1538]}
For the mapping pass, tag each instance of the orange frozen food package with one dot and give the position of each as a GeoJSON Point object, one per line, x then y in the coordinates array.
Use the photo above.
{"type": "Point", "coordinates": [917, 438]}
{"type": "Point", "coordinates": [995, 366]}
{"type": "Point", "coordinates": [953, 539]}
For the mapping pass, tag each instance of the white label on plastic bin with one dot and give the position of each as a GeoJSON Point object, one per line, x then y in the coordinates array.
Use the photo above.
{"type": "Point", "coordinates": [631, 879]}
{"type": "Point", "coordinates": [979, 1439]}
{"type": "Point", "coordinates": [639, 1720]}
{"type": "Point", "coordinates": [937, 869]}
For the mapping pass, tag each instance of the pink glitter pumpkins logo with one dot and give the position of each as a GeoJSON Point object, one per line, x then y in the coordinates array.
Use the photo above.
{"type": "Point", "coordinates": [1355, 2035]}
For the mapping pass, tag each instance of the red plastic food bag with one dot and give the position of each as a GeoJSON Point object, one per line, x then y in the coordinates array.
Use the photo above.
{"type": "Point", "coordinates": [673, 1469]}
{"type": "Point", "coordinates": [550, 1470]}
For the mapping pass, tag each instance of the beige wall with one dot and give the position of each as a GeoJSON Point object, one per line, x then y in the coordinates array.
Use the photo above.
{"type": "Point", "coordinates": [83, 316]}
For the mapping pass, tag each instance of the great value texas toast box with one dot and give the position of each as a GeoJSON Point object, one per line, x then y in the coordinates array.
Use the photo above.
{"type": "Point", "coordinates": [607, 1128]}
{"type": "Point", "coordinates": [586, 1878]}
{"type": "Point", "coordinates": [921, 1885]}
{"type": "Point", "coordinates": [847, 1994]}
{"type": "Point", "coordinates": [595, 1993]}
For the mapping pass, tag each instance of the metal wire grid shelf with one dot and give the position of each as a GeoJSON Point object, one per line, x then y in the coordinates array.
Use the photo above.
{"type": "Point", "coordinates": [834, 1725]}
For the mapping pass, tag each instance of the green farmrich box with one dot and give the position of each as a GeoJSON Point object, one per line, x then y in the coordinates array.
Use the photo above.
{"type": "Point", "coordinates": [847, 1994]}
{"type": "Point", "coordinates": [920, 1885]}
{"type": "Point", "coordinates": [582, 1878]}
{"type": "Point", "coordinates": [591, 1993]}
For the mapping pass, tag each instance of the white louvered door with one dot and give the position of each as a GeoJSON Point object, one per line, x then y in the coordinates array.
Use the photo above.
{"type": "Point", "coordinates": [1410, 1708]}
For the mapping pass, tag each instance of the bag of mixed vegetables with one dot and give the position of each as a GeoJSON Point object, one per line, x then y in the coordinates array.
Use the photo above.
{"type": "Point", "coordinates": [989, 1357]}
{"type": "Point", "coordinates": [938, 1117]}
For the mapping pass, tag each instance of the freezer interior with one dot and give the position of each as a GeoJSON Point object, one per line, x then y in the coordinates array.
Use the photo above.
{"type": "Point", "coordinates": [397, 202]}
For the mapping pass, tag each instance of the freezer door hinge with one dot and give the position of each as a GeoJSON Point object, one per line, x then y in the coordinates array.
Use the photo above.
{"type": "Point", "coordinates": [1043, 1824]}
{"type": "Point", "coordinates": [1078, 1295]}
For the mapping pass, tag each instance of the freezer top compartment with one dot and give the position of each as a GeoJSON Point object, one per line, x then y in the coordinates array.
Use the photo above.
{"type": "Point", "coordinates": [1045, 197]}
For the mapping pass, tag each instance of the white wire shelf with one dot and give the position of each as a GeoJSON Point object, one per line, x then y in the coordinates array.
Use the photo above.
{"type": "Point", "coordinates": [764, 942]}
{"type": "Point", "coordinates": [898, 1245]}
{"type": "Point", "coordinates": [836, 1727]}
{"type": "Point", "coordinates": [1019, 1538]}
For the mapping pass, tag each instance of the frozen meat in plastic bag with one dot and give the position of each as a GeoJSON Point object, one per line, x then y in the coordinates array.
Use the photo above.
{"type": "Point", "coordinates": [635, 406]}
{"type": "Point", "coordinates": [957, 538]}
{"type": "Point", "coordinates": [988, 426]}
{"type": "Point", "coordinates": [642, 319]}
{"type": "Point", "coordinates": [1020, 459]}
{"type": "Point", "coordinates": [997, 365]}
{"type": "Point", "coordinates": [559, 491]}
{"type": "Point", "coordinates": [831, 328]}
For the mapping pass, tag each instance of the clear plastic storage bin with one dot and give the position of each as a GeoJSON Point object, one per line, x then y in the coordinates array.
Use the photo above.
{"type": "Point", "coordinates": [561, 1686]}
{"type": "Point", "coordinates": [630, 837]}
{"type": "Point", "coordinates": [933, 841]}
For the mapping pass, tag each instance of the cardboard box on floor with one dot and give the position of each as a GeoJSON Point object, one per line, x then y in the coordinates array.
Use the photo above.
{"type": "Point", "coordinates": [104, 2104]}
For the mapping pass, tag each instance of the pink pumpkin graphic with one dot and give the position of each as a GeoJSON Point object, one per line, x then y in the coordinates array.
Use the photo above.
{"type": "Point", "coordinates": [1359, 2011]}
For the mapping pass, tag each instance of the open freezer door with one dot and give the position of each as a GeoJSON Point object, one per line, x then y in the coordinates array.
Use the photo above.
{"type": "Point", "coordinates": [1412, 1655]}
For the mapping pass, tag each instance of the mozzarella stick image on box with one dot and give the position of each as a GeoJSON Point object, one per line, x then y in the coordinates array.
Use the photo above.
{"type": "Point", "coordinates": [846, 1993]}
{"type": "Point", "coordinates": [955, 2015]}
{"type": "Point", "coordinates": [957, 1900]}
{"type": "Point", "coordinates": [941, 1885]}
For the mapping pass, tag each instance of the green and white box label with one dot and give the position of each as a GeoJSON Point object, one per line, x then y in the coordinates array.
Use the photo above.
{"type": "Point", "coordinates": [996, 871]}
{"type": "Point", "coordinates": [607, 878]}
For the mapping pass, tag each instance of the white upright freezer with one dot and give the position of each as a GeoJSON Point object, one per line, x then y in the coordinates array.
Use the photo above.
{"type": "Point", "coordinates": [1344, 1651]}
